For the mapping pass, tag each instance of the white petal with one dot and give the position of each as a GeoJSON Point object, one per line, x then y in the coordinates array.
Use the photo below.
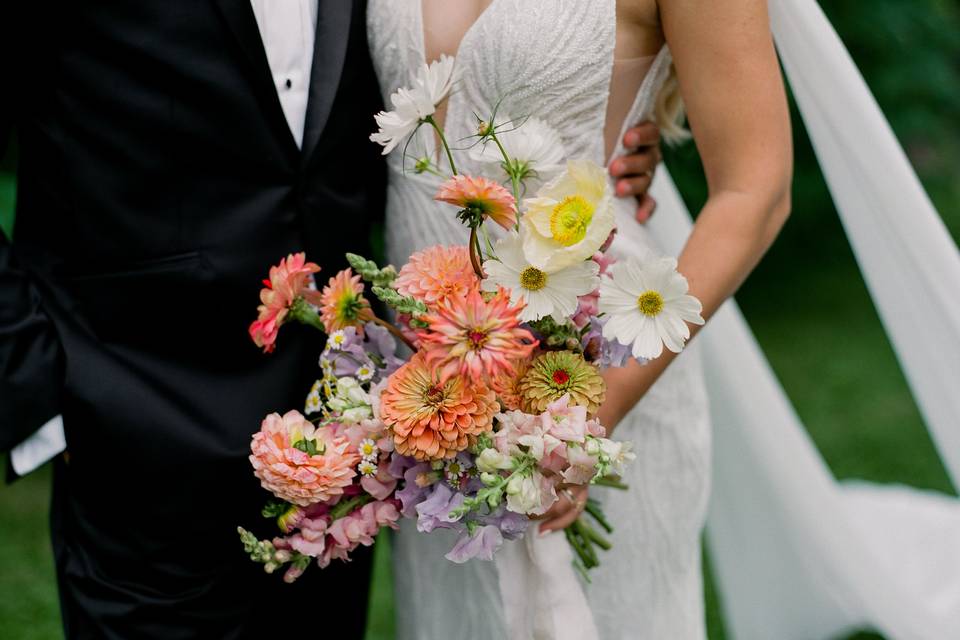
{"type": "Point", "coordinates": [688, 308]}
{"type": "Point", "coordinates": [666, 333]}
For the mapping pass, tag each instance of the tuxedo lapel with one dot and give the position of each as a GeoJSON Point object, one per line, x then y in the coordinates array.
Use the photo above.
{"type": "Point", "coordinates": [329, 51]}
{"type": "Point", "coordinates": [239, 17]}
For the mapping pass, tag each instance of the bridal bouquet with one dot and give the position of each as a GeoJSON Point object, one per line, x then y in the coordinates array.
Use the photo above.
{"type": "Point", "coordinates": [492, 414]}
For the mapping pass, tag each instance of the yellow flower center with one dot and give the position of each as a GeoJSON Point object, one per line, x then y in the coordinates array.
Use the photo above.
{"type": "Point", "coordinates": [570, 219]}
{"type": "Point", "coordinates": [532, 279]}
{"type": "Point", "coordinates": [650, 303]}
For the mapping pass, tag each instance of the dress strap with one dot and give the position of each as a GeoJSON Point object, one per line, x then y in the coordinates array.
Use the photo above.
{"type": "Point", "coordinates": [644, 103]}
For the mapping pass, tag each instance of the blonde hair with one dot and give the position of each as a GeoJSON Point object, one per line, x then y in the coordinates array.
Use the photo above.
{"type": "Point", "coordinates": [669, 112]}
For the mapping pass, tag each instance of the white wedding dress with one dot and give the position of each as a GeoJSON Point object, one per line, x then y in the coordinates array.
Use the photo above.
{"type": "Point", "coordinates": [797, 555]}
{"type": "Point", "coordinates": [553, 60]}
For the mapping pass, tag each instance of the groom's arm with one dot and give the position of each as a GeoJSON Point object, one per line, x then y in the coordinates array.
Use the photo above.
{"type": "Point", "coordinates": [634, 170]}
{"type": "Point", "coordinates": [31, 357]}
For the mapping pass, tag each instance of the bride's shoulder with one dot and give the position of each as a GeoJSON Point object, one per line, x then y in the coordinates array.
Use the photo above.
{"type": "Point", "coordinates": [639, 32]}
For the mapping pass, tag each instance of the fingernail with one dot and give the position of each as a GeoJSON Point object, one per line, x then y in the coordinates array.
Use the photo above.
{"type": "Point", "coordinates": [623, 188]}
{"type": "Point", "coordinates": [616, 167]}
{"type": "Point", "coordinates": [633, 139]}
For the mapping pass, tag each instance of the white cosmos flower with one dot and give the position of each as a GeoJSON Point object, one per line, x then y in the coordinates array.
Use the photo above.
{"type": "Point", "coordinates": [570, 218]}
{"type": "Point", "coordinates": [531, 143]}
{"type": "Point", "coordinates": [546, 293]}
{"type": "Point", "coordinates": [412, 105]}
{"type": "Point", "coordinates": [648, 306]}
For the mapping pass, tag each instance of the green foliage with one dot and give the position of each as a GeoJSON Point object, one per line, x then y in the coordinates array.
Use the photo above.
{"type": "Point", "coordinates": [370, 272]}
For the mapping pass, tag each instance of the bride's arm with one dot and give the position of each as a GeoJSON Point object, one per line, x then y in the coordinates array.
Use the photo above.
{"type": "Point", "coordinates": [731, 83]}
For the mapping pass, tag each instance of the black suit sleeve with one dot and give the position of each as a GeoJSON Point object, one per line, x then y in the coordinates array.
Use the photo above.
{"type": "Point", "coordinates": [31, 357]}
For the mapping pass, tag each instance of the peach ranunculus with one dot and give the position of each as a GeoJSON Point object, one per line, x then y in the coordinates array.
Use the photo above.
{"type": "Point", "coordinates": [431, 419]}
{"type": "Point", "coordinates": [342, 303]}
{"type": "Point", "coordinates": [437, 274]}
{"type": "Point", "coordinates": [473, 337]}
{"type": "Point", "coordinates": [479, 198]}
{"type": "Point", "coordinates": [299, 463]}
{"type": "Point", "coordinates": [289, 281]}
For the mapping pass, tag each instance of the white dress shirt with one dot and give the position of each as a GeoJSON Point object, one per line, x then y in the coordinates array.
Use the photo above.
{"type": "Point", "coordinates": [287, 28]}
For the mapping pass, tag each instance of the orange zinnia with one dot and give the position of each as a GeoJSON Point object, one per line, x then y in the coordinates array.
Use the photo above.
{"type": "Point", "coordinates": [433, 420]}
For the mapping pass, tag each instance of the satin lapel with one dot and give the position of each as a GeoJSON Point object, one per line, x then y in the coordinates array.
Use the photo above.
{"type": "Point", "coordinates": [238, 15]}
{"type": "Point", "coordinates": [329, 51]}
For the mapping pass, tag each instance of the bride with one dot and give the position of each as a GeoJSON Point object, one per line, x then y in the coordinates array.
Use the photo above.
{"type": "Point", "coordinates": [587, 67]}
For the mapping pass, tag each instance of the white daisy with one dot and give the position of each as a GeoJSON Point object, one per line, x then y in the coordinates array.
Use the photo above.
{"type": "Point", "coordinates": [570, 218]}
{"type": "Point", "coordinates": [336, 340]}
{"type": "Point", "coordinates": [314, 403]}
{"type": "Point", "coordinates": [546, 293]}
{"type": "Point", "coordinates": [648, 306]}
{"type": "Point", "coordinates": [367, 468]}
{"type": "Point", "coordinates": [531, 144]}
{"type": "Point", "coordinates": [365, 373]}
{"type": "Point", "coordinates": [326, 364]}
{"type": "Point", "coordinates": [368, 449]}
{"type": "Point", "coordinates": [411, 106]}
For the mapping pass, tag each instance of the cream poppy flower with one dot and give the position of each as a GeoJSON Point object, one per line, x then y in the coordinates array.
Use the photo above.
{"type": "Point", "coordinates": [569, 219]}
{"type": "Point", "coordinates": [544, 293]}
{"type": "Point", "coordinates": [648, 306]}
{"type": "Point", "coordinates": [411, 106]}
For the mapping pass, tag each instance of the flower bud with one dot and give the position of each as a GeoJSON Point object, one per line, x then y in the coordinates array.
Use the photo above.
{"type": "Point", "coordinates": [592, 447]}
{"type": "Point", "coordinates": [515, 485]}
{"type": "Point", "coordinates": [489, 479]}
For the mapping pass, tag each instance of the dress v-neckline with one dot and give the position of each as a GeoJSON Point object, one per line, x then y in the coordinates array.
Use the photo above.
{"type": "Point", "coordinates": [485, 15]}
{"type": "Point", "coordinates": [466, 34]}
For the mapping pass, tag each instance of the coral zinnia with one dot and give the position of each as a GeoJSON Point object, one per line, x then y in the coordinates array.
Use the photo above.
{"type": "Point", "coordinates": [342, 303]}
{"type": "Point", "coordinates": [478, 198]}
{"type": "Point", "coordinates": [473, 337]}
{"type": "Point", "coordinates": [555, 374]}
{"type": "Point", "coordinates": [507, 385]}
{"type": "Point", "coordinates": [433, 420]}
{"type": "Point", "coordinates": [437, 274]}
{"type": "Point", "coordinates": [301, 464]}
{"type": "Point", "coordinates": [289, 281]}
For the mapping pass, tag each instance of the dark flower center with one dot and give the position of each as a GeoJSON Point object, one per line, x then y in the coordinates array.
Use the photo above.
{"type": "Point", "coordinates": [560, 377]}
{"type": "Point", "coordinates": [477, 338]}
{"type": "Point", "coordinates": [435, 395]}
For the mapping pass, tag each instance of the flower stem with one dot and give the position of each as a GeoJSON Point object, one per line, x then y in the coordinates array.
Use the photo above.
{"type": "Point", "coordinates": [593, 508]}
{"type": "Point", "coordinates": [611, 481]}
{"type": "Point", "coordinates": [593, 535]}
{"type": "Point", "coordinates": [302, 312]}
{"type": "Point", "coordinates": [474, 254]}
{"type": "Point", "coordinates": [514, 178]}
{"type": "Point", "coordinates": [345, 508]}
{"type": "Point", "coordinates": [443, 141]}
{"type": "Point", "coordinates": [395, 332]}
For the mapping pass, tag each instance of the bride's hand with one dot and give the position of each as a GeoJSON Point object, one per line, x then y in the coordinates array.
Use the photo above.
{"type": "Point", "coordinates": [570, 503]}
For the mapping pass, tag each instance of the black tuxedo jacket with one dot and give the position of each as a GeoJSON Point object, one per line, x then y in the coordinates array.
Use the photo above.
{"type": "Point", "coordinates": [157, 182]}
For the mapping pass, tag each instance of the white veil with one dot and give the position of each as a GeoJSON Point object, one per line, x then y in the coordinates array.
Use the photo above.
{"type": "Point", "coordinates": [796, 554]}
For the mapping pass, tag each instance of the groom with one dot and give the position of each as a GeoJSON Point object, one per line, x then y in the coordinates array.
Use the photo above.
{"type": "Point", "coordinates": [169, 153]}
